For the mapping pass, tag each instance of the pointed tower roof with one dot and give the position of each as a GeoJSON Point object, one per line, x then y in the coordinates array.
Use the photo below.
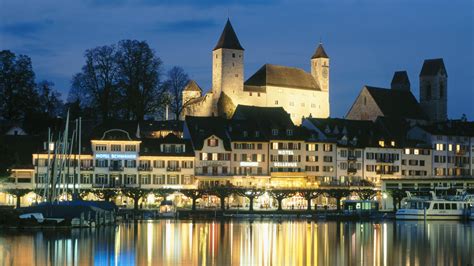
{"type": "Point", "coordinates": [192, 86]}
{"type": "Point", "coordinates": [320, 53]}
{"type": "Point", "coordinates": [228, 39]}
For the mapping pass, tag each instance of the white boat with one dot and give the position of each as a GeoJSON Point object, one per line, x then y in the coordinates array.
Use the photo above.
{"type": "Point", "coordinates": [434, 209]}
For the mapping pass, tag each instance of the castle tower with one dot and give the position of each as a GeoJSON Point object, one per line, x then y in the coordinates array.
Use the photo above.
{"type": "Point", "coordinates": [400, 81]}
{"type": "Point", "coordinates": [434, 89]}
{"type": "Point", "coordinates": [320, 67]}
{"type": "Point", "coordinates": [227, 64]}
{"type": "Point", "coordinates": [191, 91]}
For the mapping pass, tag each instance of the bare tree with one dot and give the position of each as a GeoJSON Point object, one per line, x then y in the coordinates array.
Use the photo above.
{"type": "Point", "coordinates": [175, 83]}
{"type": "Point", "coordinates": [139, 79]}
{"type": "Point", "coordinates": [97, 82]}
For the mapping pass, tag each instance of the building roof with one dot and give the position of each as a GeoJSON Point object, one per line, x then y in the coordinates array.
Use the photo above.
{"type": "Point", "coordinates": [451, 128]}
{"type": "Point", "coordinates": [148, 127]}
{"type": "Point", "coordinates": [228, 39]}
{"type": "Point", "coordinates": [282, 76]}
{"type": "Point", "coordinates": [320, 52]}
{"type": "Point", "coordinates": [431, 67]}
{"type": "Point", "coordinates": [116, 130]}
{"type": "Point", "coordinates": [192, 86]}
{"type": "Point", "coordinates": [397, 103]}
{"type": "Point", "coordinates": [201, 128]}
{"type": "Point", "coordinates": [356, 133]}
{"type": "Point", "coordinates": [152, 147]}
{"type": "Point", "coordinates": [400, 77]}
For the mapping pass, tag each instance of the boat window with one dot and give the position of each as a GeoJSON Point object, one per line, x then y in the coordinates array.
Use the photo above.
{"type": "Point", "coordinates": [448, 206]}
{"type": "Point", "coordinates": [427, 205]}
{"type": "Point", "coordinates": [435, 206]}
{"type": "Point", "coordinates": [454, 206]}
{"type": "Point", "coordinates": [441, 206]}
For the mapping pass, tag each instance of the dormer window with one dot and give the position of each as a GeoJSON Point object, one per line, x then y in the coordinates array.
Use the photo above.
{"type": "Point", "coordinates": [392, 143]}
{"type": "Point", "coordinates": [245, 134]}
{"type": "Point", "coordinates": [289, 132]}
{"type": "Point", "coordinates": [381, 143]}
{"type": "Point", "coordinates": [212, 142]}
{"type": "Point", "coordinates": [275, 132]}
{"type": "Point", "coordinates": [257, 134]}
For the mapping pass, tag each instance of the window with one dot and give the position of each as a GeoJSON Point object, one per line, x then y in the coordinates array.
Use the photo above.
{"type": "Point", "coordinates": [101, 163]}
{"type": "Point", "coordinates": [130, 163]}
{"type": "Point", "coordinates": [292, 104]}
{"type": "Point", "coordinates": [311, 147]}
{"type": "Point", "coordinates": [289, 132]}
{"type": "Point", "coordinates": [343, 153]}
{"type": "Point", "coordinates": [233, 55]}
{"type": "Point", "coordinates": [259, 146]}
{"type": "Point", "coordinates": [275, 146]}
{"type": "Point", "coordinates": [327, 159]}
{"type": "Point", "coordinates": [212, 142]}
{"type": "Point", "coordinates": [450, 147]}
{"type": "Point", "coordinates": [115, 147]}
{"type": "Point", "coordinates": [130, 148]}
{"type": "Point", "coordinates": [159, 164]}
{"type": "Point", "coordinates": [276, 102]}
{"type": "Point", "coordinates": [275, 132]}
{"type": "Point", "coordinates": [159, 179]}
{"type": "Point", "coordinates": [100, 147]}
{"type": "Point", "coordinates": [407, 151]}
{"type": "Point", "coordinates": [327, 147]}
{"type": "Point", "coordinates": [439, 147]}
{"type": "Point", "coordinates": [428, 91]}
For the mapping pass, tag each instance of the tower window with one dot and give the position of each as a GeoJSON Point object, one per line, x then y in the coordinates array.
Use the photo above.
{"type": "Point", "coordinates": [236, 75]}
{"type": "Point", "coordinates": [441, 89]}
{"type": "Point", "coordinates": [233, 55]}
{"type": "Point", "coordinates": [428, 91]}
{"type": "Point", "coordinates": [365, 100]}
{"type": "Point", "coordinates": [216, 55]}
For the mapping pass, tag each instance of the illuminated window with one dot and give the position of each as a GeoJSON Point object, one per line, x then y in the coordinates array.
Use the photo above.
{"type": "Point", "coordinates": [381, 143]}
{"type": "Point", "coordinates": [450, 147]}
{"type": "Point", "coordinates": [392, 143]}
{"type": "Point", "coordinates": [130, 148]}
{"type": "Point", "coordinates": [214, 156]}
{"type": "Point", "coordinates": [274, 146]}
{"type": "Point", "coordinates": [417, 151]}
{"type": "Point", "coordinates": [275, 132]}
{"type": "Point", "coordinates": [115, 147]}
{"type": "Point", "coordinates": [212, 142]}
{"type": "Point", "coordinates": [407, 151]}
{"type": "Point", "coordinates": [100, 147]}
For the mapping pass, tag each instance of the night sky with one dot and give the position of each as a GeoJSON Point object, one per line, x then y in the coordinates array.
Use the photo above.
{"type": "Point", "coordinates": [366, 40]}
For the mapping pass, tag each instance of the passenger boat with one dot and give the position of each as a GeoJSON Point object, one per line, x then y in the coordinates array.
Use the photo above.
{"type": "Point", "coordinates": [435, 208]}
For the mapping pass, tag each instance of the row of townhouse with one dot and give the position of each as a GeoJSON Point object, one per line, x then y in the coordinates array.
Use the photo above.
{"type": "Point", "coordinates": [260, 147]}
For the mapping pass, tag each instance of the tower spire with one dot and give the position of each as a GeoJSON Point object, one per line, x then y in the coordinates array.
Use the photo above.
{"type": "Point", "coordinates": [228, 38]}
{"type": "Point", "coordinates": [320, 52]}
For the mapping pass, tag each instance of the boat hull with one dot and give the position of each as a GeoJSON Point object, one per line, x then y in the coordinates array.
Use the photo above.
{"type": "Point", "coordinates": [428, 217]}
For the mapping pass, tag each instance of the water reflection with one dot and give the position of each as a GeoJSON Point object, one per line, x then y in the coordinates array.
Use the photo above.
{"type": "Point", "coordinates": [262, 242]}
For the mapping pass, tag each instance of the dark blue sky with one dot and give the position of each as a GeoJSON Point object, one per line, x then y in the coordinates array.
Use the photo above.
{"type": "Point", "coordinates": [366, 40]}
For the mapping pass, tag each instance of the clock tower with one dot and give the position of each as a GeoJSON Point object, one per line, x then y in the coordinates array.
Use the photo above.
{"type": "Point", "coordinates": [320, 67]}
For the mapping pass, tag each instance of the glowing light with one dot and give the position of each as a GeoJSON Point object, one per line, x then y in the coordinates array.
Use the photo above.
{"type": "Point", "coordinates": [285, 152]}
{"type": "Point", "coordinates": [115, 156]}
{"type": "Point", "coordinates": [247, 164]}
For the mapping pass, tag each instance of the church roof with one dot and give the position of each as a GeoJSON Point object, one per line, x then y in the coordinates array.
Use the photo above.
{"type": "Point", "coordinates": [228, 39]}
{"type": "Point", "coordinates": [396, 103]}
{"type": "Point", "coordinates": [320, 53]}
{"type": "Point", "coordinates": [400, 77]}
{"type": "Point", "coordinates": [431, 67]}
{"type": "Point", "coordinates": [192, 86]}
{"type": "Point", "coordinates": [282, 76]}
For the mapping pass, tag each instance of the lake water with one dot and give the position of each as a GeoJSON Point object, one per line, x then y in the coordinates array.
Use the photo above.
{"type": "Point", "coordinates": [240, 242]}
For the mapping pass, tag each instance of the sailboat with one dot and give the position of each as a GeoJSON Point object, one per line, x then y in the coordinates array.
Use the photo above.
{"type": "Point", "coordinates": [56, 209]}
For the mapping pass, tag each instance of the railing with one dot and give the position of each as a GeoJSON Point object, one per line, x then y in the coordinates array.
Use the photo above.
{"type": "Point", "coordinates": [384, 160]}
{"type": "Point", "coordinates": [173, 169]}
{"type": "Point", "coordinates": [351, 170]}
{"type": "Point", "coordinates": [87, 168]}
{"type": "Point", "coordinates": [351, 158]}
{"type": "Point", "coordinates": [145, 168]}
{"type": "Point", "coordinates": [390, 172]}
{"type": "Point", "coordinates": [116, 168]}
{"type": "Point", "coordinates": [460, 152]}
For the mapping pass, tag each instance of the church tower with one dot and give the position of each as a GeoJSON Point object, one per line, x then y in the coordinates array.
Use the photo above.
{"type": "Point", "coordinates": [320, 67]}
{"type": "Point", "coordinates": [227, 64]}
{"type": "Point", "coordinates": [434, 89]}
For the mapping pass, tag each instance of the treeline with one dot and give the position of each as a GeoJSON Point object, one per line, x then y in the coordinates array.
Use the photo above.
{"type": "Point", "coordinates": [120, 81]}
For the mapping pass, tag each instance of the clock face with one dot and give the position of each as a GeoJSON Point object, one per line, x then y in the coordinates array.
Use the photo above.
{"type": "Point", "coordinates": [325, 72]}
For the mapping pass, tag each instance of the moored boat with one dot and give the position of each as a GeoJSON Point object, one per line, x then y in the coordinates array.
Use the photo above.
{"type": "Point", "coordinates": [434, 208]}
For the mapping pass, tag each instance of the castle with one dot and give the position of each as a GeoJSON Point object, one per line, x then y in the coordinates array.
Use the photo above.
{"type": "Point", "coordinates": [300, 93]}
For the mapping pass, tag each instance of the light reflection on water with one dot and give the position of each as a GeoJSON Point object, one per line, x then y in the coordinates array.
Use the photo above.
{"type": "Point", "coordinates": [262, 242]}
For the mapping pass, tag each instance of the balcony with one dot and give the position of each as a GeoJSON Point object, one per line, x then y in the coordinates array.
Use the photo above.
{"type": "Point", "coordinates": [460, 152]}
{"type": "Point", "coordinates": [381, 172]}
{"type": "Point", "coordinates": [116, 168]}
{"type": "Point", "coordinates": [351, 170]}
{"type": "Point", "coordinates": [384, 160]}
{"type": "Point", "coordinates": [351, 158]}
{"type": "Point", "coordinates": [145, 168]}
{"type": "Point", "coordinates": [87, 168]}
{"type": "Point", "coordinates": [173, 169]}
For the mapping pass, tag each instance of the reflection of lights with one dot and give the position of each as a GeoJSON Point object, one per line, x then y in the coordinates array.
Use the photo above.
{"type": "Point", "coordinates": [150, 198]}
{"type": "Point", "coordinates": [384, 195]}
